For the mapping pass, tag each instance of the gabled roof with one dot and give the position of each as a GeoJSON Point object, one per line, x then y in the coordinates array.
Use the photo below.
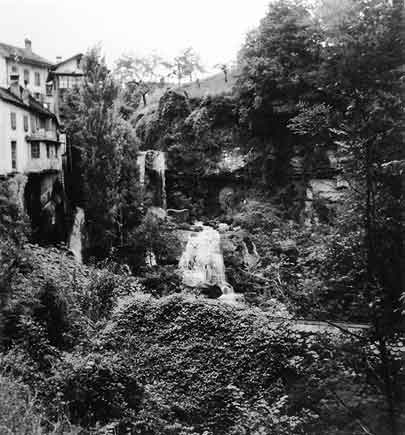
{"type": "Point", "coordinates": [33, 105]}
{"type": "Point", "coordinates": [76, 56]}
{"type": "Point", "coordinates": [23, 55]}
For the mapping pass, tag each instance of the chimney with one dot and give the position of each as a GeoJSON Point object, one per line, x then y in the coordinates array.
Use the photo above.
{"type": "Point", "coordinates": [58, 59]}
{"type": "Point", "coordinates": [28, 44]}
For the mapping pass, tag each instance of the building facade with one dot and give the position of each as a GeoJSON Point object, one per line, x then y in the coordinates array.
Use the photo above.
{"type": "Point", "coordinates": [32, 144]}
{"type": "Point", "coordinates": [27, 68]}
{"type": "Point", "coordinates": [65, 75]}
{"type": "Point", "coordinates": [29, 137]}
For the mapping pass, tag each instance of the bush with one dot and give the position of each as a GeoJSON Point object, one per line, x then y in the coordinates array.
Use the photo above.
{"type": "Point", "coordinates": [19, 412]}
{"type": "Point", "coordinates": [207, 366]}
{"type": "Point", "coordinates": [95, 388]}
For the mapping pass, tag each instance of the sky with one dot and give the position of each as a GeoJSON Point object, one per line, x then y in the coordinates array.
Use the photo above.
{"type": "Point", "coordinates": [214, 28]}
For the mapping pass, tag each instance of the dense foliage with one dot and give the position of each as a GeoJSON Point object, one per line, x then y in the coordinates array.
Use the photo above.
{"type": "Point", "coordinates": [103, 146]}
{"type": "Point", "coordinates": [318, 97]}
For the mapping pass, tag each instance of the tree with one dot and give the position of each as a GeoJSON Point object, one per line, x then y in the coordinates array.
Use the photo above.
{"type": "Point", "coordinates": [224, 68]}
{"type": "Point", "coordinates": [278, 65]}
{"type": "Point", "coordinates": [360, 80]}
{"type": "Point", "coordinates": [106, 166]}
{"type": "Point", "coordinates": [140, 74]}
{"type": "Point", "coordinates": [187, 64]}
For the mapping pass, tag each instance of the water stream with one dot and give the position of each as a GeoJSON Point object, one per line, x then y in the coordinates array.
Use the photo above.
{"type": "Point", "coordinates": [202, 263]}
{"type": "Point", "coordinates": [154, 161]}
{"type": "Point", "coordinates": [75, 239]}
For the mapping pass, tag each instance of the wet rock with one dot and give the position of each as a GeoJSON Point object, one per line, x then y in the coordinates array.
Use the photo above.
{"type": "Point", "coordinates": [325, 189]}
{"type": "Point", "coordinates": [226, 198]}
{"type": "Point", "coordinates": [287, 247]}
{"type": "Point", "coordinates": [157, 213]}
{"type": "Point", "coordinates": [212, 292]}
{"type": "Point", "coordinates": [223, 227]}
{"type": "Point", "coordinates": [179, 216]}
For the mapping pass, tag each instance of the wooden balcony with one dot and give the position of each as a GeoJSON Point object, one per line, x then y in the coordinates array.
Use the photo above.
{"type": "Point", "coordinates": [42, 136]}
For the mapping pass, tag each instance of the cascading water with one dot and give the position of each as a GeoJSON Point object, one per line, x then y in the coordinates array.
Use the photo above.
{"type": "Point", "coordinates": [159, 166]}
{"type": "Point", "coordinates": [75, 239]}
{"type": "Point", "coordinates": [202, 263]}
{"type": "Point", "coordinates": [141, 160]}
{"type": "Point", "coordinates": [154, 161]}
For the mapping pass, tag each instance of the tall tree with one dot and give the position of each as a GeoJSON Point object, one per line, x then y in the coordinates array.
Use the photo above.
{"type": "Point", "coordinates": [187, 64]}
{"type": "Point", "coordinates": [141, 74]}
{"type": "Point", "coordinates": [106, 150]}
{"type": "Point", "coordinates": [360, 79]}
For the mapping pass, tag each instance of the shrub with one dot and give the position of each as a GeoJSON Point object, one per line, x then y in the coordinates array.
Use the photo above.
{"type": "Point", "coordinates": [96, 388]}
{"type": "Point", "coordinates": [19, 413]}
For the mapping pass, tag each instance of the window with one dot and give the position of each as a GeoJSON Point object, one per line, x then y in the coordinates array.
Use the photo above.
{"type": "Point", "coordinates": [14, 69]}
{"type": "Point", "coordinates": [33, 124]}
{"type": "Point", "coordinates": [48, 151]}
{"type": "Point", "coordinates": [13, 119]}
{"type": "Point", "coordinates": [25, 123]}
{"type": "Point", "coordinates": [49, 90]}
{"type": "Point", "coordinates": [35, 150]}
{"type": "Point", "coordinates": [26, 76]}
{"type": "Point", "coordinates": [14, 155]}
{"type": "Point", "coordinates": [63, 82]}
{"type": "Point", "coordinates": [37, 79]}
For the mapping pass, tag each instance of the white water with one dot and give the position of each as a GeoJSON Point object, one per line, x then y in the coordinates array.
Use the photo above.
{"type": "Point", "coordinates": [75, 239]}
{"type": "Point", "coordinates": [141, 160]}
{"type": "Point", "coordinates": [202, 263]}
{"type": "Point", "coordinates": [159, 166]}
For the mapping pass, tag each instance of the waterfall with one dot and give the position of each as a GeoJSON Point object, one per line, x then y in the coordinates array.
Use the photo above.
{"type": "Point", "coordinates": [159, 166]}
{"type": "Point", "coordinates": [141, 160]}
{"type": "Point", "coordinates": [153, 161]}
{"type": "Point", "coordinates": [202, 263]}
{"type": "Point", "coordinates": [75, 239]}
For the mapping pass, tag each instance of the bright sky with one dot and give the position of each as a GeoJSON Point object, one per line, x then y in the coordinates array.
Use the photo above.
{"type": "Point", "coordinates": [215, 28]}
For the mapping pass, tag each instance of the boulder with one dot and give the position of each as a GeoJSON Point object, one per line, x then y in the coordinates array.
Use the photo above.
{"type": "Point", "coordinates": [211, 292]}
{"type": "Point", "coordinates": [226, 198]}
{"type": "Point", "coordinates": [287, 247]}
{"type": "Point", "coordinates": [157, 213]}
{"type": "Point", "coordinates": [179, 216]}
{"type": "Point", "coordinates": [325, 189]}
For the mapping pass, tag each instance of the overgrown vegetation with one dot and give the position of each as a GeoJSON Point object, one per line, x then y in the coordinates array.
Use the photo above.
{"type": "Point", "coordinates": [86, 349]}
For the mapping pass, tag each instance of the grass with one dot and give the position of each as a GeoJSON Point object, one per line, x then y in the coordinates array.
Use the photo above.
{"type": "Point", "coordinates": [213, 85]}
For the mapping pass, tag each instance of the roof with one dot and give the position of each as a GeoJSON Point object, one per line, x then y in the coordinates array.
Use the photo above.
{"type": "Point", "coordinates": [57, 65]}
{"type": "Point", "coordinates": [32, 106]}
{"type": "Point", "coordinates": [24, 55]}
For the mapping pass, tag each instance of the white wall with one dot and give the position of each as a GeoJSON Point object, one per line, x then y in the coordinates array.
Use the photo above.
{"type": "Point", "coordinates": [3, 72]}
{"type": "Point", "coordinates": [43, 72]}
{"type": "Point", "coordinates": [5, 157]}
{"type": "Point", "coordinates": [69, 68]}
{"type": "Point", "coordinates": [24, 161]}
{"type": "Point", "coordinates": [8, 135]}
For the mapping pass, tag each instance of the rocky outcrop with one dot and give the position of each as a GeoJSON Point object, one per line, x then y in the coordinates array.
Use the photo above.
{"type": "Point", "coordinates": [231, 161]}
{"type": "Point", "coordinates": [179, 216]}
